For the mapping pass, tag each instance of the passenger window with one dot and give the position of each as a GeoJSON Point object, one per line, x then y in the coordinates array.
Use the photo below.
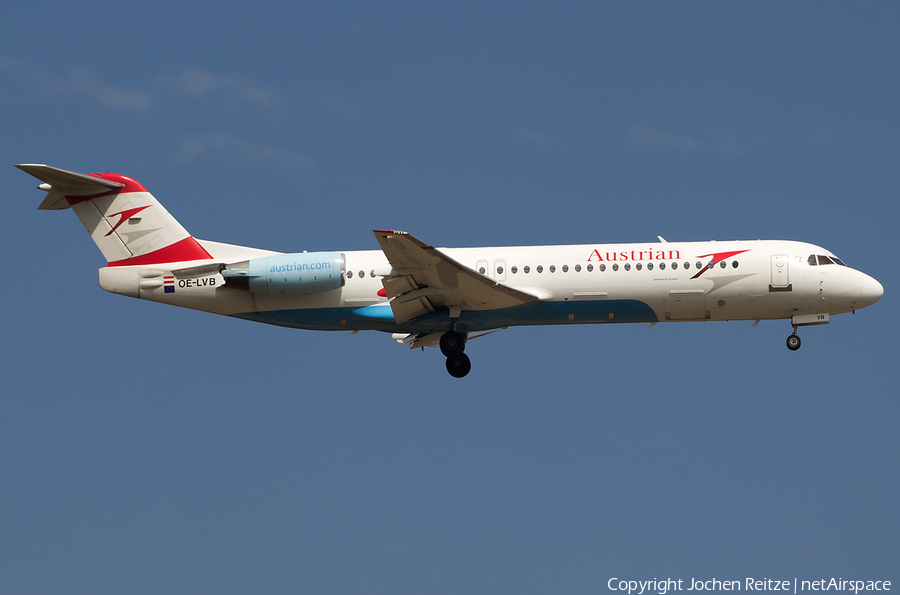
{"type": "Point", "coordinates": [662, 266]}
{"type": "Point", "coordinates": [349, 274]}
{"type": "Point", "coordinates": [514, 270]}
{"type": "Point", "coordinates": [602, 268]}
{"type": "Point", "coordinates": [650, 266]}
{"type": "Point", "coordinates": [687, 265]}
{"type": "Point", "coordinates": [526, 269]}
{"type": "Point", "coordinates": [638, 266]}
{"type": "Point", "coordinates": [577, 268]}
{"type": "Point", "coordinates": [481, 270]}
{"type": "Point", "coordinates": [552, 268]}
{"type": "Point", "coordinates": [734, 264]}
{"type": "Point", "coordinates": [627, 266]}
{"type": "Point", "coordinates": [674, 266]}
{"type": "Point", "coordinates": [540, 268]}
{"type": "Point", "coordinates": [723, 264]}
{"type": "Point", "coordinates": [565, 268]}
{"type": "Point", "coordinates": [499, 270]}
{"type": "Point", "coordinates": [615, 266]}
{"type": "Point", "coordinates": [362, 274]}
{"type": "Point", "coordinates": [372, 274]}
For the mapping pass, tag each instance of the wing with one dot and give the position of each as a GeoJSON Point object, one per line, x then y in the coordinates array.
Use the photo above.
{"type": "Point", "coordinates": [424, 279]}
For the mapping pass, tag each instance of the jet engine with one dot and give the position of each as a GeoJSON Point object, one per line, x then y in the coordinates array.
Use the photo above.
{"type": "Point", "coordinates": [304, 272]}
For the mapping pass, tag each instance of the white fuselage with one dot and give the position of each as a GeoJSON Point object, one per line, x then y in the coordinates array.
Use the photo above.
{"type": "Point", "coordinates": [574, 284]}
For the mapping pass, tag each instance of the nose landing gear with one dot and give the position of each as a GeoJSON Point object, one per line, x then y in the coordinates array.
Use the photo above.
{"type": "Point", "coordinates": [452, 345]}
{"type": "Point", "coordinates": [793, 342]}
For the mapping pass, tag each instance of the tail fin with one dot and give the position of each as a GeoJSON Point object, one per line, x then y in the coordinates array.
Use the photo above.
{"type": "Point", "coordinates": [128, 225]}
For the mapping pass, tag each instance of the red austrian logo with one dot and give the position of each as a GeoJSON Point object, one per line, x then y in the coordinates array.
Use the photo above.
{"type": "Point", "coordinates": [123, 217]}
{"type": "Point", "coordinates": [716, 259]}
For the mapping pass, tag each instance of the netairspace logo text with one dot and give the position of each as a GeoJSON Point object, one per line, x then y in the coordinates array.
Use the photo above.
{"type": "Point", "coordinates": [663, 586]}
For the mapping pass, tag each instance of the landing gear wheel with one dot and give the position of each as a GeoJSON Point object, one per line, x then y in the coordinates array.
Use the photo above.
{"type": "Point", "coordinates": [458, 365]}
{"type": "Point", "coordinates": [793, 342]}
{"type": "Point", "coordinates": [452, 343]}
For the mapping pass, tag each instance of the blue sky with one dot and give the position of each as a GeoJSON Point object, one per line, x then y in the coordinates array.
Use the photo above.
{"type": "Point", "coordinates": [148, 449]}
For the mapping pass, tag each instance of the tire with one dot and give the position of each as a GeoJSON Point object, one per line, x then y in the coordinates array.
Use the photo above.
{"type": "Point", "coordinates": [793, 342]}
{"type": "Point", "coordinates": [459, 365]}
{"type": "Point", "coordinates": [452, 343]}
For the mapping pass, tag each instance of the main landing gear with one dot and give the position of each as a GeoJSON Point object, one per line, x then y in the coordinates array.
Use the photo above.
{"type": "Point", "coordinates": [452, 345]}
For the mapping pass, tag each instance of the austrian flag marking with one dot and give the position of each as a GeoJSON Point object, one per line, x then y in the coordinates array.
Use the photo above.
{"type": "Point", "coordinates": [169, 283]}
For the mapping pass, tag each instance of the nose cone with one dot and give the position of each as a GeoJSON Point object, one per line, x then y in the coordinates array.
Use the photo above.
{"type": "Point", "coordinates": [871, 291]}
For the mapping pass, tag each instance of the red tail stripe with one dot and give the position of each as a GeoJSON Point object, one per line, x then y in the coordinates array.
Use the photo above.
{"type": "Point", "coordinates": [186, 249]}
{"type": "Point", "coordinates": [131, 185]}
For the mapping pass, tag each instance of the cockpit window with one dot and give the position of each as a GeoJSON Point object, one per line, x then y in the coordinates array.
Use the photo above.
{"type": "Point", "coordinates": [821, 259]}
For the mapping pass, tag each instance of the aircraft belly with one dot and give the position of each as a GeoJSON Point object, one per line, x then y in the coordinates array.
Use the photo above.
{"type": "Point", "coordinates": [534, 313]}
{"type": "Point", "coordinates": [565, 312]}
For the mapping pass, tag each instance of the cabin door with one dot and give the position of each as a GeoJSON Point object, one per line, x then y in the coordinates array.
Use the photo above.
{"type": "Point", "coordinates": [780, 278]}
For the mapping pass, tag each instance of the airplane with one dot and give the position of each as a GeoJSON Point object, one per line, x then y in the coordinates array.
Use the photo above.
{"type": "Point", "coordinates": [444, 297]}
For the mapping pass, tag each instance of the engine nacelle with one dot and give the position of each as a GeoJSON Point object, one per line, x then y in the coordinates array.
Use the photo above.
{"type": "Point", "coordinates": [305, 272]}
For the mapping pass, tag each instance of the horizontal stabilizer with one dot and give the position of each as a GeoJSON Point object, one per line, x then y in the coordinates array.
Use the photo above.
{"type": "Point", "coordinates": [59, 183]}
